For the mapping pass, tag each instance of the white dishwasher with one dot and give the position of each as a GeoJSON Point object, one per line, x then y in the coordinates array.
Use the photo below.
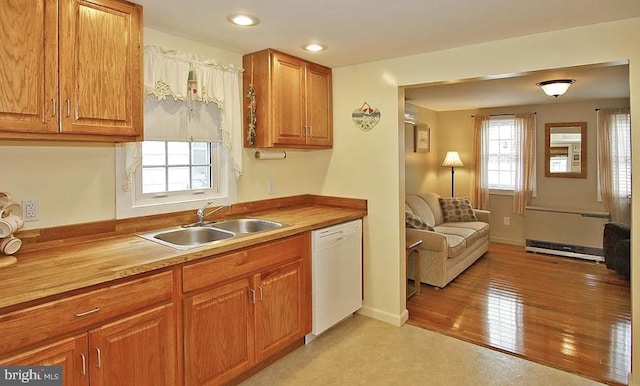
{"type": "Point", "coordinates": [336, 266]}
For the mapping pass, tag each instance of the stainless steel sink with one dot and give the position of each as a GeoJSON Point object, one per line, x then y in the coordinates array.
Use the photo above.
{"type": "Point", "coordinates": [186, 238]}
{"type": "Point", "coordinates": [247, 225]}
{"type": "Point", "coordinates": [192, 236]}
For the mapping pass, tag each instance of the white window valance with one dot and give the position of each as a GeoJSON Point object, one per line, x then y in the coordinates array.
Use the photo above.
{"type": "Point", "coordinates": [175, 109]}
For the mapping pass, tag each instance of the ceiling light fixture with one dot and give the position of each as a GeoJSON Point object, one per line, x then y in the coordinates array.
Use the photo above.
{"type": "Point", "coordinates": [243, 20]}
{"type": "Point", "coordinates": [556, 87]}
{"type": "Point", "coordinates": [314, 47]}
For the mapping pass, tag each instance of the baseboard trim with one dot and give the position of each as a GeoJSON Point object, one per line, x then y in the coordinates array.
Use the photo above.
{"type": "Point", "coordinates": [504, 240]}
{"type": "Point", "coordinates": [383, 316]}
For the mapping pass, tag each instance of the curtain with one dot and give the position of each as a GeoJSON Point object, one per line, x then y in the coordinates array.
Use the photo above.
{"type": "Point", "coordinates": [525, 145]}
{"type": "Point", "coordinates": [614, 162]}
{"type": "Point", "coordinates": [480, 193]}
{"type": "Point", "coordinates": [189, 98]}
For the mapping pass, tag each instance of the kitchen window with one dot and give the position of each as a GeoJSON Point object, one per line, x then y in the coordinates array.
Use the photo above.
{"type": "Point", "coordinates": [192, 153]}
{"type": "Point", "coordinates": [169, 167]}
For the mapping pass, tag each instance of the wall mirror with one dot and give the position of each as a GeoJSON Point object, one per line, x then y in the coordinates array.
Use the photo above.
{"type": "Point", "coordinates": [565, 150]}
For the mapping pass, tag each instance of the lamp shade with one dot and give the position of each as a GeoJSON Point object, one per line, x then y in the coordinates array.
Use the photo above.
{"type": "Point", "coordinates": [556, 87]}
{"type": "Point", "coordinates": [452, 159]}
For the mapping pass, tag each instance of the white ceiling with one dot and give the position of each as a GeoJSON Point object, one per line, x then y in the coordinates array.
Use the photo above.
{"type": "Point", "coordinates": [361, 31]}
{"type": "Point", "coordinates": [604, 81]}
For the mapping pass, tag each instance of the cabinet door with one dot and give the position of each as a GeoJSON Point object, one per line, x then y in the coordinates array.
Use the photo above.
{"type": "Point", "coordinates": [28, 66]}
{"type": "Point", "coordinates": [218, 334]}
{"type": "Point", "coordinates": [288, 104]}
{"type": "Point", "coordinates": [70, 353]}
{"type": "Point", "coordinates": [139, 350]}
{"type": "Point", "coordinates": [319, 106]}
{"type": "Point", "coordinates": [280, 318]}
{"type": "Point", "coordinates": [100, 67]}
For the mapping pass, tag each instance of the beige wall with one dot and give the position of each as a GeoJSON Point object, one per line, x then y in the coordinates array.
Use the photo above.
{"type": "Point", "coordinates": [421, 172]}
{"type": "Point", "coordinates": [75, 182]}
{"type": "Point", "coordinates": [378, 83]}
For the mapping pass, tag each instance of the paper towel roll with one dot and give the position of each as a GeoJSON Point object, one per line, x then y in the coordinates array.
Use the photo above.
{"type": "Point", "coordinates": [262, 154]}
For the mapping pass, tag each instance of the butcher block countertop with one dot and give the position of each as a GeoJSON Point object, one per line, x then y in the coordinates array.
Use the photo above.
{"type": "Point", "coordinates": [62, 267]}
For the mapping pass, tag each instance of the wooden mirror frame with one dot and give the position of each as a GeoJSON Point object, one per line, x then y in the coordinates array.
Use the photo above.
{"type": "Point", "coordinates": [583, 149]}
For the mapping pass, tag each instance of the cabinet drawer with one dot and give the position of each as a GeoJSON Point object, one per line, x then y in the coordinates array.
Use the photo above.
{"type": "Point", "coordinates": [226, 267]}
{"type": "Point", "coordinates": [23, 328]}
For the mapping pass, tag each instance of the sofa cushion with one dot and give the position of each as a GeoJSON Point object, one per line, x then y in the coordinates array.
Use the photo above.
{"type": "Point", "coordinates": [457, 209]}
{"type": "Point", "coordinates": [431, 199]}
{"type": "Point", "coordinates": [420, 208]}
{"type": "Point", "coordinates": [415, 222]}
{"type": "Point", "coordinates": [479, 229]}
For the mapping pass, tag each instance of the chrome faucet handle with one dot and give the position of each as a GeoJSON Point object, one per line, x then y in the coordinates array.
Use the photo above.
{"type": "Point", "coordinates": [201, 215]}
{"type": "Point", "coordinates": [200, 212]}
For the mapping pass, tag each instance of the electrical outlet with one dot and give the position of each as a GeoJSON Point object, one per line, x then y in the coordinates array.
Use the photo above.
{"type": "Point", "coordinates": [30, 210]}
{"type": "Point", "coordinates": [506, 220]}
{"type": "Point", "coordinates": [270, 187]}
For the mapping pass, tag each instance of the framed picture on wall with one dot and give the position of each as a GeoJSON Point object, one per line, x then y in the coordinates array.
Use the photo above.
{"type": "Point", "coordinates": [422, 139]}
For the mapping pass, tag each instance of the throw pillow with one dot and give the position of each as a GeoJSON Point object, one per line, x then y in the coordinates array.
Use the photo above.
{"type": "Point", "coordinates": [457, 209]}
{"type": "Point", "coordinates": [415, 222]}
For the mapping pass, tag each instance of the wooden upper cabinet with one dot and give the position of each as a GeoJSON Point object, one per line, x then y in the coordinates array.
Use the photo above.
{"type": "Point", "coordinates": [100, 67]}
{"type": "Point", "coordinates": [293, 101]}
{"type": "Point", "coordinates": [28, 66]}
{"type": "Point", "coordinates": [79, 74]}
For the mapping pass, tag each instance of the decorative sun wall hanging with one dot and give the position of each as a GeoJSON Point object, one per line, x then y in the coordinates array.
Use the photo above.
{"type": "Point", "coordinates": [366, 117]}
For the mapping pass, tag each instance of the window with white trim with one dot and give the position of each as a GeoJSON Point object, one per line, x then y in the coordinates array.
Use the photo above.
{"type": "Point", "coordinates": [170, 167]}
{"type": "Point", "coordinates": [501, 166]}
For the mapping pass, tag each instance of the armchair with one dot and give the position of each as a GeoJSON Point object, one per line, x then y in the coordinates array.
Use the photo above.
{"type": "Point", "coordinates": [616, 245]}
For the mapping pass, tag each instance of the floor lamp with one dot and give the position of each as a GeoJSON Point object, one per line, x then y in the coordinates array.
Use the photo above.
{"type": "Point", "coordinates": [452, 159]}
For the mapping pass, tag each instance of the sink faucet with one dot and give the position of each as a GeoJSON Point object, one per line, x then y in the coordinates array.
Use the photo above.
{"type": "Point", "coordinates": [200, 214]}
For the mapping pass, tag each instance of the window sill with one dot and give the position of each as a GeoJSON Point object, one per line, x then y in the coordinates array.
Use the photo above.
{"type": "Point", "coordinates": [500, 192]}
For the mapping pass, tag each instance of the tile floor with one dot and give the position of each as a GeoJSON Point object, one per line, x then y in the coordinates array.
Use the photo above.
{"type": "Point", "coordinates": [364, 351]}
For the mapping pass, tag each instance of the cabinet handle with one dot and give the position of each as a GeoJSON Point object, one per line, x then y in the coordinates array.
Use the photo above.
{"type": "Point", "coordinates": [310, 131]}
{"type": "Point", "coordinates": [260, 288]}
{"type": "Point", "coordinates": [53, 107]}
{"type": "Point", "coordinates": [253, 296]}
{"type": "Point", "coordinates": [68, 107]}
{"type": "Point", "coordinates": [84, 364]}
{"type": "Point", "coordinates": [81, 314]}
{"type": "Point", "coordinates": [306, 130]}
{"type": "Point", "coordinates": [99, 364]}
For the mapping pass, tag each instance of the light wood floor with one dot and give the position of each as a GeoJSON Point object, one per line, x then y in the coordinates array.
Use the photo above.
{"type": "Point", "coordinates": [570, 314]}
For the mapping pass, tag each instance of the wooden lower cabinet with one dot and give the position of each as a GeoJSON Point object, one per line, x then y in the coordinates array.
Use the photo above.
{"type": "Point", "coordinates": [68, 353]}
{"type": "Point", "coordinates": [139, 350]}
{"type": "Point", "coordinates": [218, 326]}
{"type": "Point", "coordinates": [280, 318]}
{"type": "Point", "coordinates": [232, 326]}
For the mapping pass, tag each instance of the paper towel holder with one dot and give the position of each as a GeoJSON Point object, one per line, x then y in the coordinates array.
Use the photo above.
{"type": "Point", "coordinates": [270, 154]}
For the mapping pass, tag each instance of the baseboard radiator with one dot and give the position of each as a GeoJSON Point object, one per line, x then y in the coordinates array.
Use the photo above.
{"type": "Point", "coordinates": [565, 232]}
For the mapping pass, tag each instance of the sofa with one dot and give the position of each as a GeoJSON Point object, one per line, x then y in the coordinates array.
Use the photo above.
{"type": "Point", "coordinates": [616, 248]}
{"type": "Point", "coordinates": [453, 234]}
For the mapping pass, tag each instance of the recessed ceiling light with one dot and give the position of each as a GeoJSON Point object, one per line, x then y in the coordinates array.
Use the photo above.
{"type": "Point", "coordinates": [314, 47]}
{"type": "Point", "coordinates": [243, 20]}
